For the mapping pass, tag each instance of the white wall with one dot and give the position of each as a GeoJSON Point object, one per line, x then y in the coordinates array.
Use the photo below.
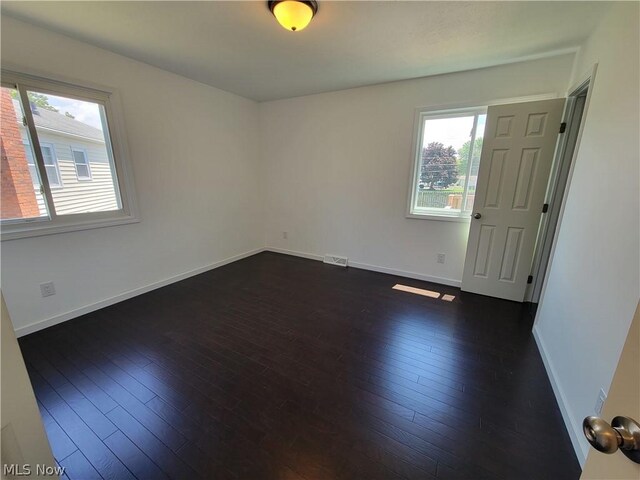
{"type": "Point", "coordinates": [194, 158]}
{"type": "Point", "coordinates": [623, 399]}
{"type": "Point", "coordinates": [593, 284]}
{"type": "Point", "coordinates": [337, 166]}
{"type": "Point", "coordinates": [332, 170]}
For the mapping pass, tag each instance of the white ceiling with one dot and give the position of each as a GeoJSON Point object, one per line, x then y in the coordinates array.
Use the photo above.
{"type": "Point", "coordinates": [239, 47]}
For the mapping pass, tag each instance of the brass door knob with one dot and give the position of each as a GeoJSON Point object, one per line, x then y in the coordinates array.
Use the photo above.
{"type": "Point", "coordinates": [623, 434]}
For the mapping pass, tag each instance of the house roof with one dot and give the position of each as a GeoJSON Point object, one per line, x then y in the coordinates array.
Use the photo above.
{"type": "Point", "coordinates": [59, 122]}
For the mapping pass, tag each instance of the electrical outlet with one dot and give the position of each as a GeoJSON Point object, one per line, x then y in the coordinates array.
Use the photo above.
{"type": "Point", "coordinates": [285, 235]}
{"type": "Point", "coordinates": [600, 401]}
{"type": "Point", "coordinates": [441, 257]}
{"type": "Point", "coordinates": [47, 289]}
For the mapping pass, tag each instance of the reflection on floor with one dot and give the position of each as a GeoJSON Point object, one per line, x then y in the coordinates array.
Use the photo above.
{"type": "Point", "coordinates": [279, 367]}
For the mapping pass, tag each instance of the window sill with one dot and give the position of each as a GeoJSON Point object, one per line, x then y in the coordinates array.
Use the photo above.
{"type": "Point", "coordinates": [462, 218]}
{"type": "Point", "coordinates": [45, 227]}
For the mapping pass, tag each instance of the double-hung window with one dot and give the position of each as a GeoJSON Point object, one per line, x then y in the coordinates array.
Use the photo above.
{"type": "Point", "coordinates": [446, 160]}
{"type": "Point", "coordinates": [64, 161]}
{"type": "Point", "coordinates": [83, 170]}
{"type": "Point", "coordinates": [50, 165]}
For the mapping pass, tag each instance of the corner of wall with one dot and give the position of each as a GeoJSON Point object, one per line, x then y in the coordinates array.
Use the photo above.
{"type": "Point", "coordinates": [574, 67]}
{"type": "Point", "coordinates": [577, 440]}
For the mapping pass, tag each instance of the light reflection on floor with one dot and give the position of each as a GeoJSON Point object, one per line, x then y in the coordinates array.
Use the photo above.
{"type": "Point", "coordinates": [423, 292]}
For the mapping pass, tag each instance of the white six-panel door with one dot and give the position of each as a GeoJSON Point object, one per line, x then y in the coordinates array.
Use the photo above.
{"type": "Point", "coordinates": [517, 154]}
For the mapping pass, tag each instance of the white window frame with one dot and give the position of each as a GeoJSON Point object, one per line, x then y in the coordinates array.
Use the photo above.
{"type": "Point", "coordinates": [115, 141]}
{"type": "Point", "coordinates": [55, 163]}
{"type": "Point", "coordinates": [421, 116]}
{"type": "Point", "coordinates": [75, 164]}
{"type": "Point", "coordinates": [481, 106]}
{"type": "Point", "coordinates": [52, 147]}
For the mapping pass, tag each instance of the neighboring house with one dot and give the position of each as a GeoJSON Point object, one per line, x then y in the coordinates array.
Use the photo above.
{"type": "Point", "coordinates": [76, 161]}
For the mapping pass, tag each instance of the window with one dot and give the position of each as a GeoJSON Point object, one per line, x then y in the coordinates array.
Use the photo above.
{"type": "Point", "coordinates": [446, 161]}
{"type": "Point", "coordinates": [83, 171]}
{"type": "Point", "coordinates": [55, 137]}
{"type": "Point", "coordinates": [50, 164]}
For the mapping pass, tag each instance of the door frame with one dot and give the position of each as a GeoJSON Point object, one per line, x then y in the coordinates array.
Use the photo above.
{"type": "Point", "coordinates": [559, 185]}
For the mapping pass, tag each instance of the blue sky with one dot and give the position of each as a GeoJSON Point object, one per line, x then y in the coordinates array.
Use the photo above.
{"type": "Point", "coordinates": [83, 111]}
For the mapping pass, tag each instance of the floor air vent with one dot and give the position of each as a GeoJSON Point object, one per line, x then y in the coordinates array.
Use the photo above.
{"type": "Point", "coordinates": [335, 260]}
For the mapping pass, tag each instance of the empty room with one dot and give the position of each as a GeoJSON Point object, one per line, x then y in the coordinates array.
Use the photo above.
{"type": "Point", "coordinates": [320, 240]}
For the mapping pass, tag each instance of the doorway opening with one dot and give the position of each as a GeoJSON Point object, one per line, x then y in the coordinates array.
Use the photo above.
{"type": "Point", "coordinates": [575, 113]}
{"type": "Point", "coordinates": [518, 152]}
{"type": "Point", "coordinates": [522, 184]}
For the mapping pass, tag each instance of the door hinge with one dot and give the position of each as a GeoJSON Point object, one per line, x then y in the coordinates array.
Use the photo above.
{"type": "Point", "coordinates": [563, 127]}
{"type": "Point", "coordinates": [530, 279]}
{"type": "Point", "coordinates": [24, 121]}
{"type": "Point", "coordinates": [545, 208]}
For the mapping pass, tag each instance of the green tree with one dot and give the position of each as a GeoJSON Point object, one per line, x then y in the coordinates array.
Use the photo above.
{"type": "Point", "coordinates": [37, 99]}
{"type": "Point", "coordinates": [439, 166]}
{"type": "Point", "coordinates": [463, 157]}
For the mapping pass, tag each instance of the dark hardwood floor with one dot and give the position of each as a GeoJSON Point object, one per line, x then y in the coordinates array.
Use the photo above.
{"type": "Point", "coordinates": [279, 367]}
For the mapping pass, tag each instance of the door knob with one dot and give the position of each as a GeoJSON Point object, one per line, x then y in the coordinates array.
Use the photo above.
{"type": "Point", "coordinates": [477, 216]}
{"type": "Point", "coordinates": [623, 433]}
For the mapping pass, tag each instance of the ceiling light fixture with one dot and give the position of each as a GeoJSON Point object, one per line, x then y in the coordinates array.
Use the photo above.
{"type": "Point", "coordinates": [293, 15]}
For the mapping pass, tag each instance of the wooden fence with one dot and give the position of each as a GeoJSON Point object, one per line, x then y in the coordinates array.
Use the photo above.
{"type": "Point", "coordinates": [441, 199]}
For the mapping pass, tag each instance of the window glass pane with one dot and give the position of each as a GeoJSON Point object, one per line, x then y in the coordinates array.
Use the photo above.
{"type": "Point", "coordinates": [47, 155]}
{"type": "Point", "coordinates": [52, 175]}
{"type": "Point", "coordinates": [78, 156]}
{"type": "Point", "coordinates": [475, 162]}
{"type": "Point", "coordinates": [50, 166]}
{"type": "Point", "coordinates": [441, 176]}
{"type": "Point", "coordinates": [72, 125]}
{"type": "Point", "coordinates": [82, 165]}
{"type": "Point", "coordinates": [21, 197]}
{"type": "Point", "coordinates": [83, 170]}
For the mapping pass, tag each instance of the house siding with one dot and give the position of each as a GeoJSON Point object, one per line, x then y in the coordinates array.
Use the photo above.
{"type": "Point", "coordinates": [78, 196]}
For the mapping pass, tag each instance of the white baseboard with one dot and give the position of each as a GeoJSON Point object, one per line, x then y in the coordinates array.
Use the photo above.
{"type": "Point", "coordinates": [373, 268]}
{"type": "Point", "coordinates": [575, 434]}
{"type": "Point", "coordinates": [63, 317]}
{"type": "Point", "coordinates": [310, 256]}
{"type": "Point", "coordinates": [404, 273]}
